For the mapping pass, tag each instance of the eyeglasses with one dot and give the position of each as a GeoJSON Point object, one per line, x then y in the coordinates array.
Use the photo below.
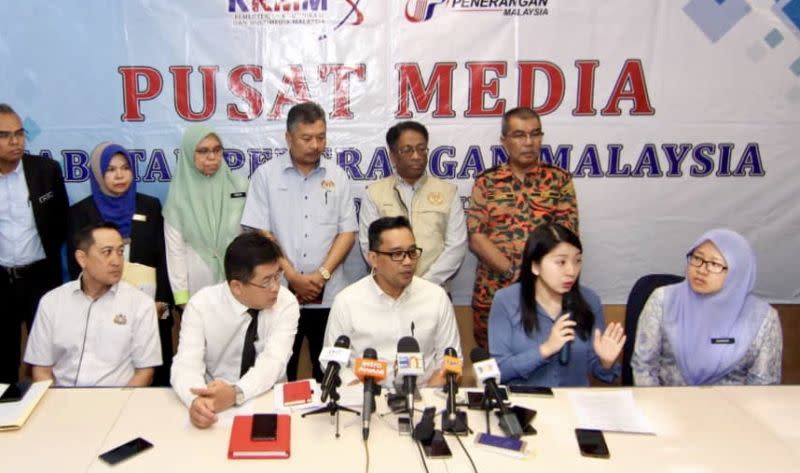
{"type": "Point", "coordinates": [408, 151]}
{"type": "Point", "coordinates": [208, 151]}
{"type": "Point", "coordinates": [272, 281]}
{"type": "Point", "coordinates": [6, 135]}
{"type": "Point", "coordinates": [400, 255]}
{"type": "Point", "coordinates": [521, 135]}
{"type": "Point", "coordinates": [711, 266]}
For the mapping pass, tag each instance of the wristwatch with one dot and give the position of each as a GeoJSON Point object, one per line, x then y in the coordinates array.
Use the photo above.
{"type": "Point", "coordinates": [326, 275]}
{"type": "Point", "coordinates": [239, 395]}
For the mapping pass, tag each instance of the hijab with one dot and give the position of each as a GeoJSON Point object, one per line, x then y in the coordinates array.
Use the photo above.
{"type": "Point", "coordinates": [691, 320]}
{"type": "Point", "coordinates": [201, 207]}
{"type": "Point", "coordinates": [116, 209]}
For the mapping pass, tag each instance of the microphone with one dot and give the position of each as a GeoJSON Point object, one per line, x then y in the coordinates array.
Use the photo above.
{"type": "Point", "coordinates": [452, 366]}
{"type": "Point", "coordinates": [371, 371]}
{"type": "Point", "coordinates": [409, 365]}
{"type": "Point", "coordinates": [487, 371]}
{"type": "Point", "coordinates": [335, 356]}
{"type": "Point", "coordinates": [568, 303]}
{"type": "Point", "coordinates": [453, 421]}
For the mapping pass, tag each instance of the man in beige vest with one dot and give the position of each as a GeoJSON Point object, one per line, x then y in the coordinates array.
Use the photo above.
{"type": "Point", "coordinates": [432, 205]}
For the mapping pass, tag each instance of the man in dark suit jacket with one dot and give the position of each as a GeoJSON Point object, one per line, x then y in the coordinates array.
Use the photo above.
{"type": "Point", "coordinates": [33, 227]}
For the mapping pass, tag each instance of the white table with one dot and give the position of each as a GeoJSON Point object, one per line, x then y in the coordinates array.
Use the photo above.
{"type": "Point", "coordinates": [699, 430]}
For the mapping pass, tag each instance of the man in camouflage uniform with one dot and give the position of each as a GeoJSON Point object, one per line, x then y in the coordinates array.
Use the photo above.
{"type": "Point", "coordinates": [508, 202]}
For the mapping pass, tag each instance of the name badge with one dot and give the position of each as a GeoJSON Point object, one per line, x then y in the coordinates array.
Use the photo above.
{"type": "Point", "coordinates": [237, 195]}
{"type": "Point", "coordinates": [139, 218]}
{"type": "Point", "coordinates": [723, 341]}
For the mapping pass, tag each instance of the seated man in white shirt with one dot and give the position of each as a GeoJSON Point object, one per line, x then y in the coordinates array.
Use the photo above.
{"type": "Point", "coordinates": [96, 330]}
{"type": "Point", "coordinates": [236, 336]}
{"type": "Point", "coordinates": [391, 303]}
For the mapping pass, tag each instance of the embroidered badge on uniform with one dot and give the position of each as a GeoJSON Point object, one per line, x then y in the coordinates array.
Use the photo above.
{"type": "Point", "coordinates": [120, 319]}
{"type": "Point", "coordinates": [328, 184]}
{"type": "Point", "coordinates": [436, 198]}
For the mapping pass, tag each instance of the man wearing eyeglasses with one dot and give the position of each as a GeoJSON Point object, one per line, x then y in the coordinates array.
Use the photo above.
{"type": "Point", "coordinates": [508, 202]}
{"type": "Point", "coordinates": [236, 337]}
{"type": "Point", "coordinates": [33, 227]}
{"type": "Point", "coordinates": [391, 303]}
{"type": "Point", "coordinates": [431, 205]}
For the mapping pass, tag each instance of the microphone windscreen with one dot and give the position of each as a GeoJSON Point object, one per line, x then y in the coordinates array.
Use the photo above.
{"type": "Point", "coordinates": [342, 342]}
{"type": "Point", "coordinates": [407, 345]}
{"type": "Point", "coordinates": [450, 351]}
{"type": "Point", "coordinates": [478, 354]}
{"type": "Point", "coordinates": [569, 302]}
{"type": "Point", "coordinates": [371, 354]}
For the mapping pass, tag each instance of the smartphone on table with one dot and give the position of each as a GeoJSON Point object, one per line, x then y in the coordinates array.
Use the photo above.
{"type": "Point", "coordinates": [592, 443]}
{"type": "Point", "coordinates": [125, 451]}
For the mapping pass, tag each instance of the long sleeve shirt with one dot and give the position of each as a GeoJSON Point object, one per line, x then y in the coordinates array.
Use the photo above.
{"type": "Point", "coordinates": [518, 354]}
{"type": "Point", "coordinates": [212, 337]}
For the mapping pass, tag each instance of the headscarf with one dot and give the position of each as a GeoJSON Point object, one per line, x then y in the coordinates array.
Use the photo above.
{"type": "Point", "coordinates": [691, 320]}
{"type": "Point", "coordinates": [116, 209]}
{"type": "Point", "coordinates": [201, 207]}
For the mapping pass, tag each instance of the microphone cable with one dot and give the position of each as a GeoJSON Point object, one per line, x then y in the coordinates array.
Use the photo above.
{"type": "Point", "coordinates": [466, 452]}
{"type": "Point", "coordinates": [83, 345]}
{"type": "Point", "coordinates": [422, 456]}
{"type": "Point", "coordinates": [366, 451]}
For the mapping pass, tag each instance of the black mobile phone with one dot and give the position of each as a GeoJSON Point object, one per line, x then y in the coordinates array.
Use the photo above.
{"type": "Point", "coordinates": [15, 392]}
{"type": "Point", "coordinates": [592, 443]}
{"type": "Point", "coordinates": [475, 398]}
{"type": "Point", "coordinates": [125, 451]}
{"type": "Point", "coordinates": [265, 427]}
{"type": "Point", "coordinates": [437, 446]}
{"type": "Point", "coordinates": [535, 390]}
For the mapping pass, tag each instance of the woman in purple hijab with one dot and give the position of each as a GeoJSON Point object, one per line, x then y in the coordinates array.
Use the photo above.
{"type": "Point", "coordinates": [710, 328]}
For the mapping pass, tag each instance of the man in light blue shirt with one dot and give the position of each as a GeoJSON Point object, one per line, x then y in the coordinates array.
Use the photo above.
{"type": "Point", "coordinates": [305, 203]}
{"type": "Point", "coordinates": [33, 227]}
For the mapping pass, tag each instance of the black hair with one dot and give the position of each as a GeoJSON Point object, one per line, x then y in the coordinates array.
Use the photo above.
{"type": "Point", "coordinates": [394, 132]}
{"type": "Point", "coordinates": [383, 224]}
{"type": "Point", "coordinates": [5, 109]}
{"type": "Point", "coordinates": [307, 112]}
{"type": "Point", "coordinates": [247, 251]}
{"type": "Point", "coordinates": [541, 242]}
{"type": "Point", "coordinates": [83, 239]}
{"type": "Point", "coordinates": [519, 112]}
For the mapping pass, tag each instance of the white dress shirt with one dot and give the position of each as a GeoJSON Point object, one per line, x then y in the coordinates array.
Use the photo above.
{"type": "Point", "coordinates": [455, 240]}
{"type": "Point", "coordinates": [373, 319]}
{"type": "Point", "coordinates": [212, 336]}
{"type": "Point", "coordinates": [305, 213]}
{"type": "Point", "coordinates": [94, 343]}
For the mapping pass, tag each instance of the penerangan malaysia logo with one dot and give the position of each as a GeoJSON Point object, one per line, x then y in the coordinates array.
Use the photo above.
{"type": "Point", "coordinates": [423, 10]}
{"type": "Point", "coordinates": [330, 15]}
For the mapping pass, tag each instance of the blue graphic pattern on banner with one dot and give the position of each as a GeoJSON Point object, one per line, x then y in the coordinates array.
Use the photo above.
{"type": "Point", "coordinates": [716, 17]}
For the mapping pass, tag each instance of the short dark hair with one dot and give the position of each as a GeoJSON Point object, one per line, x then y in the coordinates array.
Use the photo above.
{"type": "Point", "coordinates": [247, 251]}
{"type": "Point", "coordinates": [5, 109]}
{"type": "Point", "coordinates": [383, 224]}
{"type": "Point", "coordinates": [83, 239]}
{"type": "Point", "coordinates": [394, 132]}
{"type": "Point", "coordinates": [542, 240]}
{"type": "Point", "coordinates": [519, 112]}
{"type": "Point", "coordinates": [307, 112]}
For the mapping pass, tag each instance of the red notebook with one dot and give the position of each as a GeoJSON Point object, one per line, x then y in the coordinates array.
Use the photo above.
{"type": "Point", "coordinates": [297, 392]}
{"type": "Point", "coordinates": [242, 446]}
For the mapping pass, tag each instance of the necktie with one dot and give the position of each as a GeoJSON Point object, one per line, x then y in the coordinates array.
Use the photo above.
{"type": "Point", "coordinates": [250, 338]}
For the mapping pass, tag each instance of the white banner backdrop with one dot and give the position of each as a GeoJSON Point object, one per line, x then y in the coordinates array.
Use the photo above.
{"type": "Point", "coordinates": [674, 117]}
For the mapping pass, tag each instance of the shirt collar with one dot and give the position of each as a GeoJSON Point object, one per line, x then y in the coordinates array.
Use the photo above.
{"type": "Point", "coordinates": [289, 165]}
{"type": "Point", "coordinates": [75, 286]}
{"type": "Point", "coordinates": [238, 307]}
{"type": "Point", "coordinates": [504, 171]}
{"type": "Point", "coordinates": [400, 182]}
{"type": "Point", "coordinates": [380, 293]}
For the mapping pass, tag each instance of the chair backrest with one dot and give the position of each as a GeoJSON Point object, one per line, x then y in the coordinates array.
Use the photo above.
{"type": "Point", "coordinates": [636, 300]}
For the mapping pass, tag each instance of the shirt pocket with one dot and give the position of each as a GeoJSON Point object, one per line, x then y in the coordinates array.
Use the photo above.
{"type": "Point", "coordinates": [115, 338]}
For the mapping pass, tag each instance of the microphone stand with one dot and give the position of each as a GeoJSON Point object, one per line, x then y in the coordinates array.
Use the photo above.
{"type": "Point", "coordinates": [453, 420]}
{"type": "Point", "coordinates": [487, 408]}
{"type": "Point", "coordinates": [333, 407]}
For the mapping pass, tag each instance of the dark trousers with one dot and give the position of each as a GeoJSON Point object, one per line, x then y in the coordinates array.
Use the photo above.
{"type": "Point", "coordinates": [312, 326]}
{"type": "Point", "coordinates": [19, 296]}
{"type": "Point", "coordinates": [162, 373]}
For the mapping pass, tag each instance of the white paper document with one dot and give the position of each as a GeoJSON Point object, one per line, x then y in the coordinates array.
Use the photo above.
{"type": "Point", "coordinates": [611, 411]}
